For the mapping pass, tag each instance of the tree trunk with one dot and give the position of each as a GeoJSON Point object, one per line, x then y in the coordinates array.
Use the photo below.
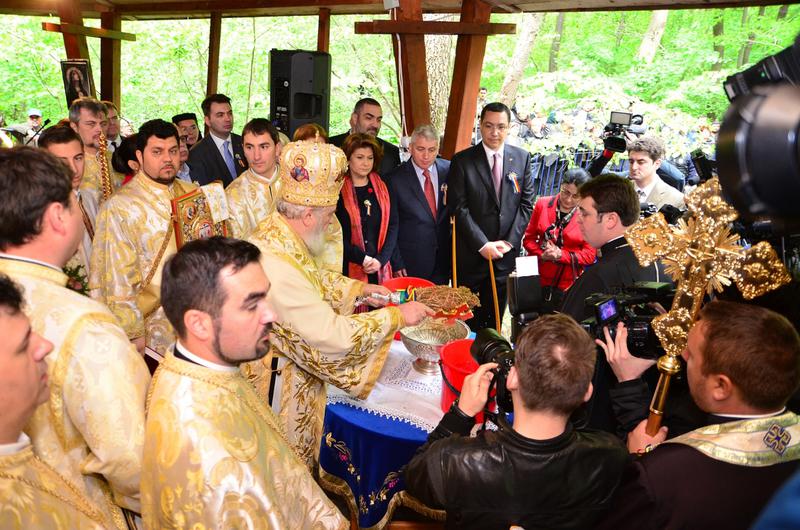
{"type": "Point", "coordinates": [620, 28]}
{"type": "Point", "coordinates": [652, 38]}
{"type": "Point", "coordinates": [440, 52]}
{"type": "Point", "coordinates": [554, 47]}
{"type": "Point", "coordinates": [783, 11]}
{"type": "Point", "coordinates": [531, 23]}
{"type": "Point", "coordinates": [719, 47]}
{"type": "Point", "coordinates": [747, 47]}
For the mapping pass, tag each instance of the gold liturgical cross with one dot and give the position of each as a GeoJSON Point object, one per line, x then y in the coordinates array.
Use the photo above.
{"type": "Point", "coordinates": [701, 255]}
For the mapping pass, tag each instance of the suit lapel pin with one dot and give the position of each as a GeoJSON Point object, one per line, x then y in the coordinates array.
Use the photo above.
{"type": "Point", "coordinates": [443, 188]}
{"type": "Point", "coordinates": [239, 159]}
{"type": "Point", "coordinates": [514, 180]}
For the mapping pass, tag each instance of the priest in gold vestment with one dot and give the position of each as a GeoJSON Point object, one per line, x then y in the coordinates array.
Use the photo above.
{"type": "Point", "coordinates": [32, 494]}
{"type": "Point", "coordinates": [133, 237]}
{"type": "Point", "coordinates": [215, 455]}
{"type": "Point", "coordinates": [91, 430]}
{"type": "Point", "coordinates": [89, 118]}
{"type": "Point", "coordinates": [317, 340]}
{"type": "Point", "coordinates": [252, 196]}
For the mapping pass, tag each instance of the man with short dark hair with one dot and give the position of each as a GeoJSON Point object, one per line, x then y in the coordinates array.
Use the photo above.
{"type": "Point", "coordinates": [89, 118]}
{"type": "Point", "coordinates": [491, 192]}
{"type": "Point", "coordinates": [113, 138]}
{"type": "Point", "coordinates": [645, 155]}
{"type": "Point", "coordinates": [542, 473]}
{"type": "Point", "coordinates": [187, 126]}
{"type": "Point", "coordinates": [220, 155]}
{"type": "Point", "coordinates": [92, 430]}
{"type": "Point", "coordinates": [66, 144]}
{"type": "Point", "coordinates": [420, 197]}
{"type": "Point", "coordinates": [220, 432]}
{"type": "Point", "coordinates": [134, 235]}
{"type": "Point", "coordinates": [608, 207]}
{"type": "Point", "coordinates": [742, 366]}
{"type": "Point", "coordinates": [366, 118]}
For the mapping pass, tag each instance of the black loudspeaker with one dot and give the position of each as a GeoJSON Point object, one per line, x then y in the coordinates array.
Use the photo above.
{"type": "Point", "coordinates": [300, 89]}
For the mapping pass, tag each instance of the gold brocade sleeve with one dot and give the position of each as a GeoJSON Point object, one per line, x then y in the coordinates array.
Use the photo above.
{"type": "Point", "coordinates": [238, 222]}
{"type": "Point", "coordinates": [341, 291]}
{"type": "Point", "coordinates": [115, 276]}
{"type": "Point", "coordinates": [104, 397]}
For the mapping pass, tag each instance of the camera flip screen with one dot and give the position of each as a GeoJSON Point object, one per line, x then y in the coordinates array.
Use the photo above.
{"type": "Point", "coordinates": [620, 118]}
{"type": "Point", "coordinates": [607, 311]}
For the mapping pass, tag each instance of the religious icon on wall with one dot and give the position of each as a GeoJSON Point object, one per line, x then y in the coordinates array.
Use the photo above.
{"type": "Point", "coordinates": [77, 79]}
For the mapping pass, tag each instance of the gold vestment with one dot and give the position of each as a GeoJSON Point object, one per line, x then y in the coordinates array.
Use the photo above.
{"type": "Point", "coordinates": [315, 331]}
{"type": "Point", "coordinates": [91, 430]}
{"type": "Point", "coordinates": [91, 184]}
{"type": "Point", "coordinates": [128, 248]}
{"type": "Point", "coordinates": [215, 457]}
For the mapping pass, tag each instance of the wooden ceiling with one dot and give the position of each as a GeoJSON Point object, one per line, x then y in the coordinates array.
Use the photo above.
{"type": "Point", "coordinates": [170, 9]}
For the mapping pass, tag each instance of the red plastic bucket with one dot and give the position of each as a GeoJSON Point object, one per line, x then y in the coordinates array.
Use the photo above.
{"type": "Point", "coordinates": [402, 283]}
{"type": "Point", "coordinates": [457, 363]}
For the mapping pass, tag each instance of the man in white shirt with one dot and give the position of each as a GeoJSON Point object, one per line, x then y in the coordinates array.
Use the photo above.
{"type": "Point", "coordinates": [220, 155]}
{"type": "Point", "coordinates": [645, 156]}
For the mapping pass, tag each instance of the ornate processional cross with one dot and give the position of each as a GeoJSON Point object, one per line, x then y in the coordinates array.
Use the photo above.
{"type": "Point", "coordinates": [702, 256]}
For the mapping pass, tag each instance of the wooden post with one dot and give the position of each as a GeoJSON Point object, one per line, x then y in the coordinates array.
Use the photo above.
{"type": "Point", "coordinates": [110, 59]}
{"type": "Point", "coordinates": [470, 51]}
{"type": "Point", "coordinates": [412, 71]}
{"type": "Point", "coordinates": [324, 30]}
{"type": "Point", "coordinates": [214, 37]}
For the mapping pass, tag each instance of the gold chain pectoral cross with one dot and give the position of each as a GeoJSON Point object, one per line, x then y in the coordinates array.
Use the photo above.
{"type": "Point", "coordinates": [701, 255]}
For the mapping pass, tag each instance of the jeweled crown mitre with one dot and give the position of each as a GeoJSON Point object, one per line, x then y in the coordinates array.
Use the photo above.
{"type": "Point", "coordinates": [311, 173]}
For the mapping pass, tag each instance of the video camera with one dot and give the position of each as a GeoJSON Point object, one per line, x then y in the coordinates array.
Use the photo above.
{"type": "Point", "coordinates": [490, 347]}
{"type": "Point", "coordinates": [620, 123]}
{"type": "Point", "coordinates": [671, 213]}
{"type": "Point", "coordinates": [632, 307]}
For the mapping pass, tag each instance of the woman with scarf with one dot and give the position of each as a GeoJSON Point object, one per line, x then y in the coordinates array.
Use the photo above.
{"type": "Point", "coordinates": [554, 235]}
{"type": "Point", "coordinates": [369, 222]}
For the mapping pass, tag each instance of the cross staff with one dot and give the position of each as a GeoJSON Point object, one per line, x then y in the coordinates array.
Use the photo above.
{"type": "Point", "coordinates": [701, 255]}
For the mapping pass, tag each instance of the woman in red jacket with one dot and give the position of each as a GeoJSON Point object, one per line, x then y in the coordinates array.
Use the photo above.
{"type": "Point", "coordinates": [553, 235]}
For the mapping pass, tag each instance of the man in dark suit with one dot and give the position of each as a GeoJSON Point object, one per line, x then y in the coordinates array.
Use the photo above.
{"type": "Point", "coordinates": [220, 155]}
{"type": "Point", "coordinates": [366, 119]}
{"type": "Point", "coordinates": [420, 199]}
{"type": "Point", "coordinates": [491, 189]}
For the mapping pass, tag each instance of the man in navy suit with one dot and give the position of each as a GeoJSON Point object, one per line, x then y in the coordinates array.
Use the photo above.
{"type": "Point", "coordinates": [220, 155]}
{"type": "Point", "coordinates": [491, 190]}
{"type": "Point", "coordinates": [367, 118]}
{"type": "Point", "coordinates": [420, 197]}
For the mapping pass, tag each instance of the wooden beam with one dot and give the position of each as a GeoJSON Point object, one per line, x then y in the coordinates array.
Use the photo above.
{"type": "Point", "coordinates": [412, 71]}
{"type": "Point", "coordinates": [324, 30]}
{"type": "Point", "coordinates": [214, 37]}
{"type": "Point", "coordinates": [75, 44]}
{"type": "Point", "coordinates": [204, 6]}
{"type": "Point", "coordinates": [86, 31]}
{"type": "Point", "coordinates": [470, 51]}
{"type": "Point", "coordinates": [110, 59]}
{"type": "Point", "coordinates": [373, 27]}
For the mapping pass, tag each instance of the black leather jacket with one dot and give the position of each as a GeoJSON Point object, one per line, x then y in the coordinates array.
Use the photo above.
{"type": "Point", "coordinates": [501, 478]}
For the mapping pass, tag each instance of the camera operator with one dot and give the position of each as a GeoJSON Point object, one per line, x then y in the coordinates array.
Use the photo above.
{"type": "Point", "coordinates": [645, 155]}
{"type": "Point", "coordinates": [543, 473]}
{"type": "Point", "coordinates": [742, 365]}
{"type": "Point", "coordinates": [607, 208]}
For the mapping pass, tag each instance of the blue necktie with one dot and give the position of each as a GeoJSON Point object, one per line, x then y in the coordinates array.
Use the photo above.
{"type": "Point", "coordinates": [229, 158]}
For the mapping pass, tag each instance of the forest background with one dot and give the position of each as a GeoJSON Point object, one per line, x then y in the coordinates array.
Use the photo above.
{"type": "Point", "coordinates": [667, 65]}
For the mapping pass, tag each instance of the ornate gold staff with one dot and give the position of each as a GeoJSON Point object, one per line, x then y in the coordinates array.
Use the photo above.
{"type": "Point", "coordinates": [105, 177]}
{"type": "Point", "coordinates": [701, 255]}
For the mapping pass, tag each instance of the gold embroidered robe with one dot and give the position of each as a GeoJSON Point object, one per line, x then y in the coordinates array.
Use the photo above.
{"type": "Point", "coordinates": [252, 198]}
{"type": "Point", "coordinates": [82, 256]}
{"type": "Point", "coordinates": [91, 430]}
{"type": "Point", "coordinates": [315, 331]}
{"type": "Point", "coordinates": [91, 183]}
{"type": "Point", "coordinates": [214, 457]}
{"type": "Point", "coordinates": [33, 496]}
{"type": "Point", "coordinates": [129, 235]}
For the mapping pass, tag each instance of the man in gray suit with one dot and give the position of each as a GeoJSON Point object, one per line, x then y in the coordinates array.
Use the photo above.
{"type": "Point", "coordinates": [645, 156]}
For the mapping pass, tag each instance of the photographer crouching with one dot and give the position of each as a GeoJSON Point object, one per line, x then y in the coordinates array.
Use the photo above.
{"type": "Point", "coordinates": [542, 472]}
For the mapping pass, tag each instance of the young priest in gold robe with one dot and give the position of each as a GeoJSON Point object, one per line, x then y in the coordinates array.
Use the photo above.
{"type": "Point", "coordinates": [317, 339]}
{"type": "Point", "coordinates": [215, 454]}
{"type": "Point", "coordinates": [92, 429]}
{"type": "Point", "coordinates": [32, 494]}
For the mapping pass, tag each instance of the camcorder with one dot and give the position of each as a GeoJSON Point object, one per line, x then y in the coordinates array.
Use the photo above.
{"type": "Point", "coordinates": [490, 347]}
{"type": "Point", "coordinates": [633, 306]}
{"type": "Point", "coordinates": [619, 124]}
{"type": "Point", "coordinates": [671, 213]}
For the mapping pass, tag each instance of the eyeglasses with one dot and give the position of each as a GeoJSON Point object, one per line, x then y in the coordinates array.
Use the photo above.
{"type": "Point", "coordinates": [568, 195]}
{"type": "Point", "coordinates": [493, 127]}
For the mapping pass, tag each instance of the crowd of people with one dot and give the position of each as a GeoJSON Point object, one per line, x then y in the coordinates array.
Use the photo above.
{"type": "Point", "coordinates": [163, 385]}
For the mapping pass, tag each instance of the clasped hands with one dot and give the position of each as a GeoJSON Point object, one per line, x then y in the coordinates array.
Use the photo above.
{"type": "Point", "coordinates": [551, 252]}
{"type": "Point", "coordinates": [494, 249]}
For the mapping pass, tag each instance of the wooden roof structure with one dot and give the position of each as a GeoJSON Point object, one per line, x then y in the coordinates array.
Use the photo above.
{"type": "Point", "coordinates": [406, 26]}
